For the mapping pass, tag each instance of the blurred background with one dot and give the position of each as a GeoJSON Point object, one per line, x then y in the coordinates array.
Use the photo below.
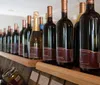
{"type": "Point", "coordinates": [13, 11]}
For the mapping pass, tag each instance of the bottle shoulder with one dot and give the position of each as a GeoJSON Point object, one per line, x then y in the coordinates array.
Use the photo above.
{"type": "Point", "coordinates": [47, 25]}
{"type": "Point", "coordinates": [65, 21]}
{"type": "Point", "coordinates": [21, 32]}
{"type": "Point", "coordinates": [15, 33]}
{"type": "Point", "coordinates": [76, 25]}
{"type": "Point", "coordinates": [90, 15]}
{"type": "Point", "coordinates": [27, 30]}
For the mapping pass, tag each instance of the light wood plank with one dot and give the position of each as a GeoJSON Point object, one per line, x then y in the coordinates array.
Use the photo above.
{"type": "Point", "coordinates": [69, 75]}
{"type": "Point", "coordinates": [21, 60]}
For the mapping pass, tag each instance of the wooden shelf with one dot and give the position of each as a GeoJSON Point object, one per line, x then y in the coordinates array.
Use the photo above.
{"type": "Point", "coordinates": [69, 75]}
{"type": "Point", "coordinates": [21, 60]}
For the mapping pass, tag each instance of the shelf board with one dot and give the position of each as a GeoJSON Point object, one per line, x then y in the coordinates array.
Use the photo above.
{"type": "Point", "coordinates": [69, 75]}
{"type": "Point", "coordinates": [20, 60]}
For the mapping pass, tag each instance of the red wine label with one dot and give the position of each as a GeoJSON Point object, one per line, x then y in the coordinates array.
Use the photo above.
{"type": "Point", "coordinates": [64, 55]}
{"type": "Point", "coordinates": [35, 53]}
{"type": "Point", "coordinates": [12, 48]}
{"type": "Point", "coordinates": [49, 54]}
{"type": "Point", "coordinates": [89, 59]}
{"type": "Point", "coordinates": [21, 49]}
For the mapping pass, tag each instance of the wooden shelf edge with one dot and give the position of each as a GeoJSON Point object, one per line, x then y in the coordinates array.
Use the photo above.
{"type": "Point", "coordinates": [69, 75]}
{"type": "Point", "coordinates": [20, 60]}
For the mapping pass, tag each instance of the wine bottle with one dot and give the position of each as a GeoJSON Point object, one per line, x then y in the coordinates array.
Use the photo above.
{"type": "Point", "coordinates": [82, 7]}
{"type": "Point", "coordinates": [49, 39]}
{"type": "Point", "coordinates": [0, 40]}
{"type": "Point", "coordinates": [64, 38]}
{"type": "Point", "coordinates": [36, 39]}
{"type": "Point", "coordinates": [15, 40]}
{"type": "Point", "coordinates": [11, 50]}
{"type": "Point", "coordinates": [27, 33]}
{"type": "Point", "coordinates": [4, 41]}
{"type": "Point", "coordinates": [90, 40]}
{"type": "Point", "coordinates": [45, 18]}
{"type": "Point", "coordinates": [41, 26]}
{"type": "Point", "coordinates": [8, 39]}
{"type": "Point", "coordinates": [21, 41]}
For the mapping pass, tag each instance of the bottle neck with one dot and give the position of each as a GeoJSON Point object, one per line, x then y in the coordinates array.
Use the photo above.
{"type": "Point", "coordinates": [64, 15]}
{"type": "Point", "coordinates": [4, 33]}
{"type": "Point", "coordinates": [16, 30]}
{"type": "Point", "coordinates": [90, 7]}
{"type": "Point", "coordinates": [23, 28]}
{"type": "Point", "coordinates": [41, 26]}
{"type": "Point", "coordinates": [49, 19]}
{"type": "Point", "coordinates": [8, 32]}
{"type": "Point", "coordinates": [36, 24]}
{"type": "Point", "coordinates": [29, 26]}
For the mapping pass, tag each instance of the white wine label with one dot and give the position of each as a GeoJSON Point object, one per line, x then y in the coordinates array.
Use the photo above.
{"type": "Point", "coordinates": [34, 76]}
{"type": "Point", "coordinates": [53, 82]}
{"type": "Point", "coordinates": [43, 80]}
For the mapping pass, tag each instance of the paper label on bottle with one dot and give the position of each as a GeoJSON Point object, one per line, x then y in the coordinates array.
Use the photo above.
{"type": "Point", "coordinates": [15, 48]}
{"type": "Point", "coordinates": [49, 54]}
{"type": "Point", "coordinates": [4, 44]}
{"type": "Point", "coordinates": [35, 53]}
{"type": "Point", "coordinates": [89, 59]}
{"type": "Point", "coordinates": [43, 80]}
{"type": "Point", "coordinates": [0, 44]}
{"type": "Point", "coordinates": [64, 55]}
{"type": "Point", "coordinates": [21, 49]}
{"type": "Point", "coordinates": [53, 82]}
{"type": "Point", "coordinates": [12, 48]}
{"type": "Point", "coordinates": [8, 44]}
{"type": "Point", "coordinates": [34, 76]}
{"type": "Point", "coordinates": [15, 42]}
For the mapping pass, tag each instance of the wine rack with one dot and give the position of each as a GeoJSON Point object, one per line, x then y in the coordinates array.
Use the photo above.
{"type": "Point", "coordinates": [71, 75]}
{"type": "Point", "coordinates": [20, 60]}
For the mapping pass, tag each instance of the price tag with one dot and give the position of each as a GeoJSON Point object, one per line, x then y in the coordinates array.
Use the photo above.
{"type": "Point", "coordinates": [34, 76]}
{"type": "Point", "coordinates": [53, 82]}
{"type": "Point", "coordinates": [43, 80]}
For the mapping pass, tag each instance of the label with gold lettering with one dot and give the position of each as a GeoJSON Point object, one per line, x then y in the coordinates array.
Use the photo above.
{"type": "Point", "coordinates": [89, 59]}
{"type": "Point", "coordinates": [64, 55]}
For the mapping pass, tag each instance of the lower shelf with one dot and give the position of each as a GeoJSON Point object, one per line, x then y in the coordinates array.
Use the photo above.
{"type": "Point", "coordinates": [21, 60]}
{"type": "Point", "coordinates": [69, 75]}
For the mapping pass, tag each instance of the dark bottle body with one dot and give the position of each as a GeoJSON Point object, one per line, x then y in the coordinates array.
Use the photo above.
{"type": "Point", "coordinates": [8, 42]}
{"type": "Point", "coordinates": [76, 45]}
{"type": "Point", "coordinates": [21, 41]}
{"type": "Point", "coordinates": [4, 42]}
{"type": "Point", "coordinates": [26, 44]}
{"type": "Point", "coordinates": [64, 42]}
{"type": "Point", "coordinates": [11, 50]}
{"type": "Point", "coordinates": [15, 40]}
{"type": "Point", "coordinates": [49, 42]}
{"type": "Point", "coordinates": [1, 42]}
{"type": "Point", "coordinates": [90, 41]}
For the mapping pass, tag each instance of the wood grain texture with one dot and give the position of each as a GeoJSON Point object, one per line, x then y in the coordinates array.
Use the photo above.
{"type": "Point", "coordinates": [20, 60]}
{"type": "Point", "coordinates": [69, 75]}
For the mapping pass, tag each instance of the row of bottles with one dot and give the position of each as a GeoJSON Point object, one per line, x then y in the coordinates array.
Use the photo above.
{"type": "Point", "coordinates": [60, 44]}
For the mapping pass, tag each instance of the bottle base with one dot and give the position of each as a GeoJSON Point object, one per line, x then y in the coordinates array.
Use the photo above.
{"type": "Point", "coordinates": [76, 65]}
{"type": "Point", "coordinates": [66, 65]}
{"type": "Point", "coordinates": [53, 62]}
{"type": "Point", "coordinates": [91, 71]}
